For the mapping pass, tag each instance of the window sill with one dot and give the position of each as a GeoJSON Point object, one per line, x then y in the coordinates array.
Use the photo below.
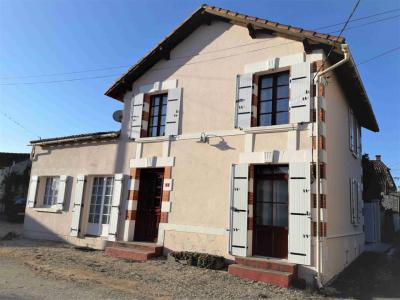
{"type": "Point", "coordinates": [272, 128]}
{"type": "Point", "coordinates": [153, 139]}
{"type": "Point", "coordinates": [48, 210]}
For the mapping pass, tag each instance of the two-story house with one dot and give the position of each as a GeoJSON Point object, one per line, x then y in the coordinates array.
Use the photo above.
{"type": "Point", "coordinates": [224, 124]}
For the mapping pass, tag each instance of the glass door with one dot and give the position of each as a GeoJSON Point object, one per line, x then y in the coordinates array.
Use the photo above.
{"type": "Point", "coordinates": [100, 206]}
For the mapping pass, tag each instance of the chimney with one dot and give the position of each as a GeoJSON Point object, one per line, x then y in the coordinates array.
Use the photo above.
{"type": "Point", "coordinates": [378, 157]}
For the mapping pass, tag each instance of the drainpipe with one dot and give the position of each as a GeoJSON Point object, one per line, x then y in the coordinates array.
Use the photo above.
{"type": "Point", "coordinates": [347, 57]}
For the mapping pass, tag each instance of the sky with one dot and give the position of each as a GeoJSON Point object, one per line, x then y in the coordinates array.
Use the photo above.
{"type": "Point", "coordinates": [41, 39]}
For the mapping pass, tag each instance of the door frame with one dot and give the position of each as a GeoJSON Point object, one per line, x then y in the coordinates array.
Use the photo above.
{"type": "Point", "coordinates": [254, 188]}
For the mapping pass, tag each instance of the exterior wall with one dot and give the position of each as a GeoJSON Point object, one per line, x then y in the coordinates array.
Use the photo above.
{"type": "Point", "coordinates": [344, 240]}
{"type": "Point", "coordinates": [71, 160]}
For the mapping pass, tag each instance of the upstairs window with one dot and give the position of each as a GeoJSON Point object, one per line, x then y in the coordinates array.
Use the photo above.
{"type": "Point", "coordinates": [158, 112]}
{"type": "Point", "coordinates": [51, 191]}
{"type": "Point", "coordinates": [273, 102]}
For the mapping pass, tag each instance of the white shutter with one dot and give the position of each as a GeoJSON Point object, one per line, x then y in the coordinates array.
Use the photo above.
{"type": "Point", "coordinates": [360, 203]}
{"type": "Point", "coordinates": [76, 210]}
{"type": "Point", "coordinates": [136, 115]}
{"type": "Point", "coordinates": [62, 185]}
{"type": "Point", "coordinates": [300, 86]}
{"type": "Point", "coordinates": [244, 93]}
{"type": "Point", "coordinates": [239, 208]}
{"type": "Point", "coordinates": [33, 184]}
{"type": "Point", "coordinates": [173, 111]}
{"type": "Point", "coordinates": [116, 200]}
{"type": "Point", "coordinates": [299, 213]}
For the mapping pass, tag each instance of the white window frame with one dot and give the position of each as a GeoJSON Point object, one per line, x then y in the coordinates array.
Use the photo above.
{"type": "Point", "coordinates": [51, 190]}
{"type": "Point", "coordinates": [354, 135]}
{"type": "Point", "coordinates": [102, 193]}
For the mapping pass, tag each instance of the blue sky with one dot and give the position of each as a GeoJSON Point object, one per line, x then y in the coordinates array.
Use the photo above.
{"type": "Point", "coordinates": [59, 36]}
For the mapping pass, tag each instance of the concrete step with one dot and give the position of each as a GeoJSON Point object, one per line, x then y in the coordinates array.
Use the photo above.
{"type": "Point", "coordinates": [157, 249]}
{"type": "Point", "coordinates": [130, 253]}
{"type": "Point", "coordinates": [267, 264]}
{"type": "Point", "coordinates": [282, 279]}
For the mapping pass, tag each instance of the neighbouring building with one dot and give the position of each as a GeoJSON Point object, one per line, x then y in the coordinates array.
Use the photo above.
{"type": "Point", "coordinates": [14, 178]}
{"type": "Point", "coordinates": [381, 201]}
{"type": "Point", "coordinates": [224, 124]}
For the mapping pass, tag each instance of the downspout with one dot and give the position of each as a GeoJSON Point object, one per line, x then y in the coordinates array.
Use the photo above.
{"type": "Point", "coordinates": [347, 57]}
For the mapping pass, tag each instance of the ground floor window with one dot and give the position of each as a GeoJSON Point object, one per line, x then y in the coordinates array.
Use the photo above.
{"type": "Point", "coordinates": [100, 201]}
{"type": "Point", "coordinates": [51, 191]}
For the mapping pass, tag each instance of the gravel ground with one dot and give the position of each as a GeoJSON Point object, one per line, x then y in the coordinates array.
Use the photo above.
{"type": "Point", "coordinates": [46, 270]}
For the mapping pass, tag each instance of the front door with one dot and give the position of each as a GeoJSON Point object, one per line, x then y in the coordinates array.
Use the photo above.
{"type": "Point", "coordinates": [271, 211]}
{"type": "Point", "coordinates": [100, 206]}
{"type": "Point", "coordinates": [149, 205]}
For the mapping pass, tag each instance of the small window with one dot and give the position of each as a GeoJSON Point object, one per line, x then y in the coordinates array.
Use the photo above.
{"type": "Point", "coordinates": [51, 191]}
{"type": "Point", "coordinates": [158, 112]}
{"type": "Point", "coordinates": [273, 102]}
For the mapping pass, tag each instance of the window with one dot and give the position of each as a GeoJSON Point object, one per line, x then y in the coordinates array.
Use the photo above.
{"type": "Point", "coordinates": [51, 191]}
{"type": "Point", "coordinates": [354, 135]}
{"type": "Point", "coordinates": [158, 112]}
{"type": "Point", "coordinates": [100, 203]}
{"type": "Point", "coordinates": [273, 102]}
{"type": "Point", "coordinates": [355, 199]}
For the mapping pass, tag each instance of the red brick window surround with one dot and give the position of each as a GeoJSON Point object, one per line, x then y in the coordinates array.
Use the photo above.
{"type": "Point", "coordinates": [273, 99]}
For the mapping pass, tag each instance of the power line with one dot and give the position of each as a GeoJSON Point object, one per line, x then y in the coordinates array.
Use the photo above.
{"type": "Point", "coordinates": [378, 56]}
{"type": "Point", "coordinates": [333, 46]}
{"type": "Point", "coordinates": [358, 19]}
{"type": "Point", "coordinates": [199, 54]}
{"type": "Point", "coordinates": [19, 124]}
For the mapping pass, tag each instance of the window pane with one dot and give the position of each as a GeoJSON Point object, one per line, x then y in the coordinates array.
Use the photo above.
{"type": "Point", "coordinates": [162, 130]}
{"type": "Point", "coordinates": [282, 118]}
{"type": "Point", "coordinates": [281, 215]}
{"type": "Point", "coordinates": [281, 170]}
{"type": "Point", "coordinates": [282, 105]}
{"type": "Point", "coordinates": [264, 213]}
{"type": "Point", "coordinates": [266, 94]}
{"type": "Point", "coordinates": [266, 82]}
{"type": "Point", "coordinates": [154, 111]}
{"type": "Point", "coordinates": [265, 107]}
{"type": "Point", "coordinates": [282, 92]}
{"type": "Point", "coordinates": [164, 110]}
{"type": "Point", "coordinates": [264, 190]}
{"type": "Point", "coordinates": [265, 120]}
{"type": "Point", "coordinates": [156, 101]}
{"type": "Point", "coordinates": [283, 79]}
{"type": "Point", "coordinates": [162, 121]}
{"type": "Point", "coordinates": [154, 131]}
{"type": "Point", "coordinates": [164, 100]}
{"type": "Point", "coordinates": [281, 191]}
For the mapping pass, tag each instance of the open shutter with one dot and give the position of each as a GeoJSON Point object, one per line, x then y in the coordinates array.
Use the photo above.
{"type": "Point", "coordinates": [238, 226]}
{"type": "Point", "coordinates": [300, 85]}
{"type": "Point", "coordinates": [136, 115]}
{"type": "Point", "coordinates": [351, 130]}
{"type": "Point", "coordinates": [116, 200]}
{"type": "Point", "coordinates": [244, 93]}
{"type": "Point", "coordinates": [76, 211]}
{"type": "Point", "coordinates": [173, 111]}
{"type": "Point", "coordinates": [33, 184]}
{"type": "Point", "coordinates": [61, 192]}
{"type": "Point", "coordinates": [299, 213]}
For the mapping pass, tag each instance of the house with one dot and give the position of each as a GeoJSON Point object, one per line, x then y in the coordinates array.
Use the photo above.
{"type": "Point", "coordinates": [14, 178]}
{"type": "Point", "coordinates": [224, 124]}
{"type": "Point", "coordinates": [381, 201]}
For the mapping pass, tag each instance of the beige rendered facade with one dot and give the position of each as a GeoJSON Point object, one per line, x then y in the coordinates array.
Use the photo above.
{"type": "Point", "coordinates": [206, 156]}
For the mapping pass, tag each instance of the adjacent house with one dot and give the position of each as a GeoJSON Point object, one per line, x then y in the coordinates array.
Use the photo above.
{"type": "Point", "coordinates": [239, 137]}
{"type": "Point", "coordinates": [381, 201]}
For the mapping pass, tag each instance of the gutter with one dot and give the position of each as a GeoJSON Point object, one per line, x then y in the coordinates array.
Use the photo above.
{"type": "Point", "coordinates": [317, 80]}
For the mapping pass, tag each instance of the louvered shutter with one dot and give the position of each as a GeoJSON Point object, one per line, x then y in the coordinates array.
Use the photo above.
{"type": "Point", "coordinates": [33, 184]}
{"type": "Point", "coordinates": [62, 185]}
{"type": "Point", "coordinates": [300, 99]}
{"type": "Point", "coordinates": [76, 210]}
{"type": "Point", "coordinates": [238, 226]}
{"type": "Point", "coordinates": [351, 130]}
{"type": "Point", "coordinates": [116, 200]}
{"type": "Point", "coordinates": [173, 111]}
{"type": "Point", "coordinates": [136, 115]}
{"type": "Point", "coordinates": [244, 93]}
{"type": "Point", "coordinates": [299, 213]}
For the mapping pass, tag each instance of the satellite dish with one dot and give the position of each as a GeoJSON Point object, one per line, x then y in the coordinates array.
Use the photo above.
{"type": "Point", "coordinates": [117, 116]}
